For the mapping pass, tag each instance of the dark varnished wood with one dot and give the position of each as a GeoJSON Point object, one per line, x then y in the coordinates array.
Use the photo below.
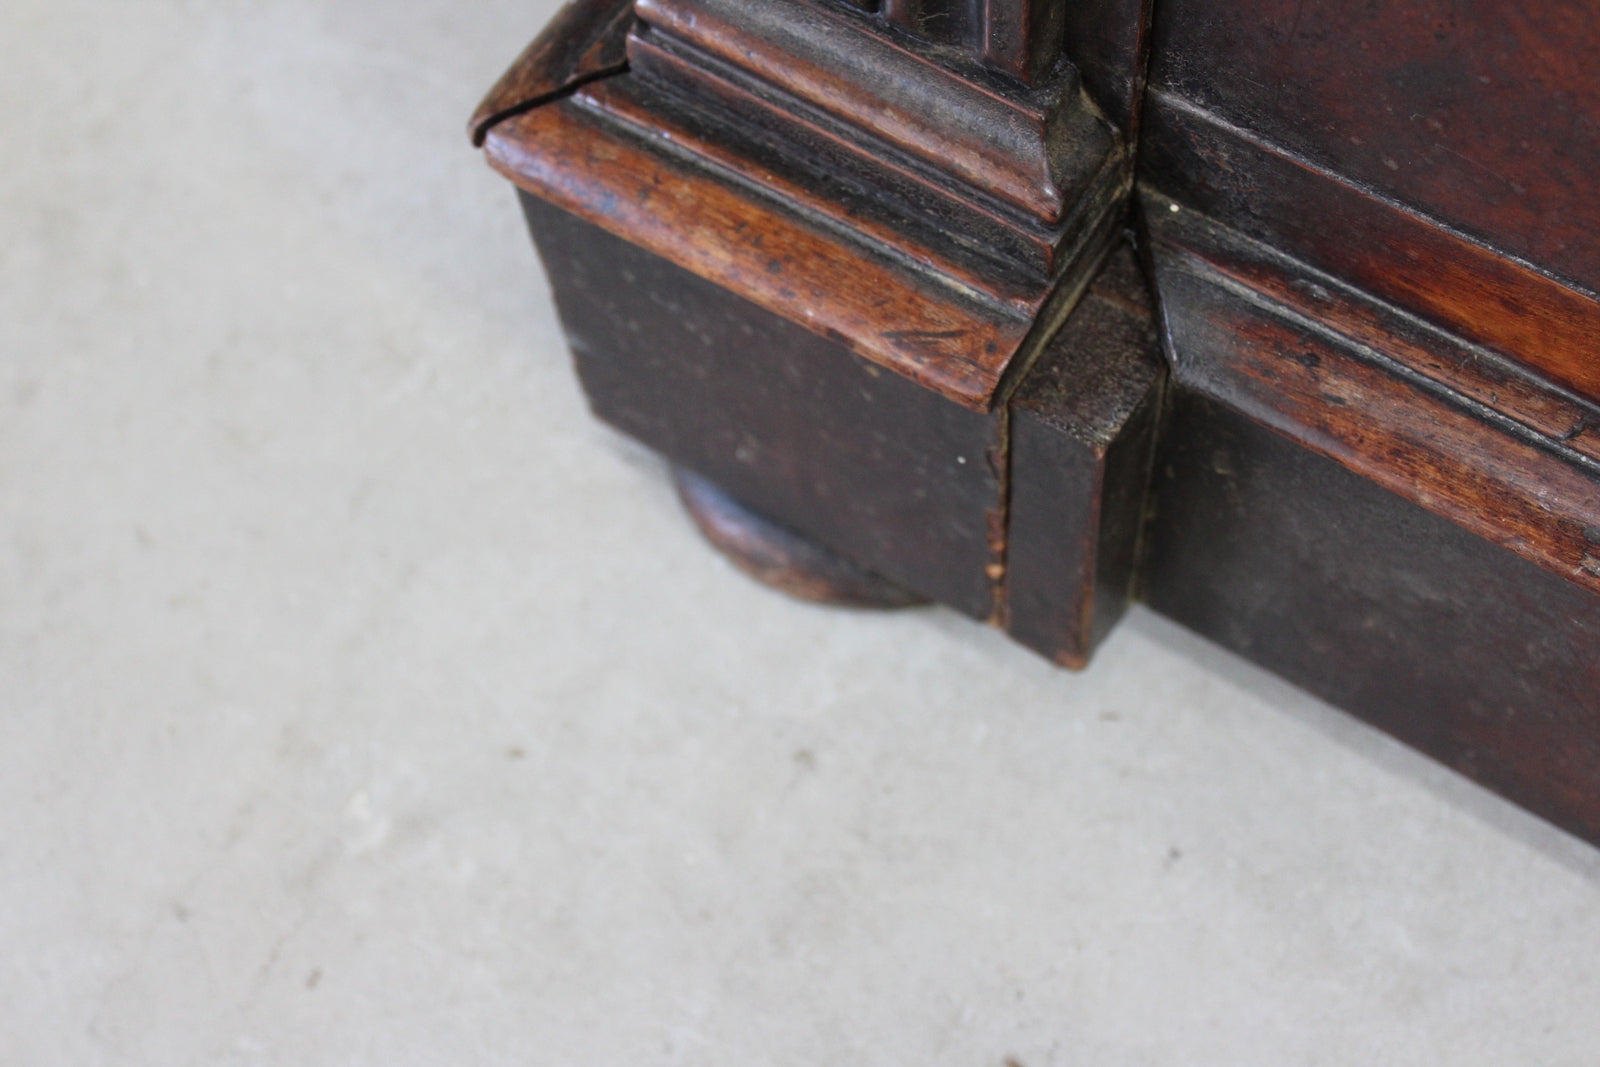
{"type": "Point", "coordinates": [1473, 655]}
{"type": "Point", "coordinates": [1021, 38]}
{"type": "Point", "coordinates": [852, 177]}
{"type": "Point", "coordinates": [775, 555]}
{"type": "Point", "coordinates": [1379, 474]}
{"type": "Point", "coordinates": [954, 342]}
{"type": "Point", "coordinates": [1031, 149]}
{"type": "Point", "coordinates": [1484, 117]}
{"type": "Point", "coordinates": [1109, 42]}
{"type": "Point", "coordinates": [835, 201]}
{"type": "Point", "coordinates": [806, 249]}
{"type": "Point", "coordinates": [1438, 155]}
{"type": "Point", "coordinates": [1556, 420]}
{"type": "Point", "coordinates": [1376, 245]}
{"type": "Point", "coordinates": [1402, 406]}
{"type": "Point", "coordinates": [1083, 424]}
{"type": "Point", "coordinates": [897, 481]}
{"type": "Point", "coordinates": [797, 427]}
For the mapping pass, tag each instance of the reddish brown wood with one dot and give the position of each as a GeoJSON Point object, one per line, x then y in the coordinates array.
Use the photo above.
{"type": "Point", "coordinates": [856, 181]}
{"type": "Point", "coordinates": [583, 43]}
{"type": "Point", "coordinates": [1023, 37]}
{"type": "Point", "coordinates": [1372, 230]}
{"type": "Point", "coordinates": [1414, 262]}
{"type": "Point", "coordinates": [813, 246]}
{"type": "Point", "coordinates": [626, 101]}
{"type": "Point", "coordinates": [1438, 155]}
{"type": "Point", "coordinates": [1555, 420]}
{"type": "Point", "coordinates": [820, 250]}
{"type": "Point", "coordinates": [1483, 117]}
{"type": "Point", "coordinates": [1273, 356]}
{"type": "Point", "coordinates": [1109, 42]}
{"type": "Point", "coordinates": [1033, 150]}
{"type": "Point", "coordinates": [956, 343]}
{"type": "Point", "coordinates": [943, 21]}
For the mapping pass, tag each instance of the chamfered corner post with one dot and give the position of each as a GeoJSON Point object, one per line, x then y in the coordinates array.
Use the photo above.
{"type": "Point", "coordinates": [1083, 430]}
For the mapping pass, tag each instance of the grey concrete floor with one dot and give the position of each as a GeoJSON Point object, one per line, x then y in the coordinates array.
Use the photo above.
{"type": "Point", "coordinates": [363, 702]}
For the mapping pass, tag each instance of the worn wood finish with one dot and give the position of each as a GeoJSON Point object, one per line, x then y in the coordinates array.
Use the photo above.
{"type": "Point", "coordinates": [803, 250]}
{"type": "Point", "coordinates": [1556, 420]}
{"type": "Point", "coordinates": [1380, 474]}
{"type": "Point", "coordinates": [1431, 633]}
{"type": "Point", "coordinates": [848, 205]}
{"type": "Point", "coordinates": [868, 184]}
{"type": "Point", "coordinates": [1416, 263]}
{"type": "Point", "coordinates": [1033, 150]}
{"type": "Point", "coordinates": [1480, 116]}
{"type": "Point", "coordinates": [953, 341]}
{"type": "Point", "coordinates": [1405, 407]}
{"type": "Point", "coordinates": [1438, 155]}
{"type": "Point", "coordinates": [1083, 424]}
{"type": "Point", "coordinates": [693, 156]}
{"type": "Point", "coordinates": [585, 42]}
{"type": "Point", "coordinates": [1109, 42]}
{"type": "Point", "coordinates": [795, 426]}
{"type": "Point", "coordinates": [778, 556]}
{"type": "Point", "coordinates": [1021, 38]}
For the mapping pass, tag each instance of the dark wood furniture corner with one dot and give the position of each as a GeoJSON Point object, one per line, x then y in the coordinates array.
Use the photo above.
{"type": "Point", "coordinates": [1279, 316]}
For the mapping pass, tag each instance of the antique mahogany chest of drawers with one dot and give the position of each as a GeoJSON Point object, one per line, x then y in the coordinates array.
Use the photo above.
{"type": "Point", "coordinates": [1277, 315]}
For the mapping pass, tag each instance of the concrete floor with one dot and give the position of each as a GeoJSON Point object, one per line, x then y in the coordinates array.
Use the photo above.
{"type": "Point", "coordinates": [363, 702]}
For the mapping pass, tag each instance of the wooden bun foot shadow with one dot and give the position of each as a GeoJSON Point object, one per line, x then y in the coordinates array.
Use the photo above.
{"type": "Point", "coordinates": [779, 557]}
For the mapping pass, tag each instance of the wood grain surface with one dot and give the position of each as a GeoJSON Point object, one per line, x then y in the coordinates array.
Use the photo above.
{"type": "Point", "coordinates": [1083, 425]}
{"type": "Point", "coordinates": [793, 425]}
{"type": "Point", "coordinates": [1478, 657]}
{"type": "Point", "coordinates": [1400, 414]}
{"type": "Point", "coordinates": [955, 342]}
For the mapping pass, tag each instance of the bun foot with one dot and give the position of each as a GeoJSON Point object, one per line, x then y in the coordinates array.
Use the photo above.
{"type": "Point", "coordinates": [781, 558]}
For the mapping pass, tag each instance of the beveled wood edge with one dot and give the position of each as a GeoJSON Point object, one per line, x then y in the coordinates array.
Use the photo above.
{"type": "Point", "coordinates": [785, 249]}
{"type": "Point", "coordinates": [1558, 419]}
{"type": "Point", "coordinates": [586, 40]}
{"type": "Point", "coordinates": [1289, 370]}
{"type": "Point", "coordinates": [949, 339]}
{"type": "Point", "coordinates": [1384, 247]}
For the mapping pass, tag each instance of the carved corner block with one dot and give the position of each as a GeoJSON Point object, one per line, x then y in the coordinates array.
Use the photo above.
{"type": "Point", "coordinates": [811, 253]}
